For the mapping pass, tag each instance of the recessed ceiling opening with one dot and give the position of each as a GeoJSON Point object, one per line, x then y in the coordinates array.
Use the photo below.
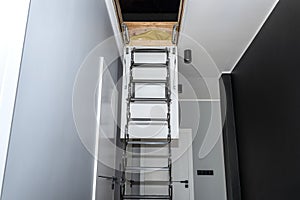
{"type": "Point", "coordinates": [150, 10]}
{"type": "Point", "coordinates": [150, 22]}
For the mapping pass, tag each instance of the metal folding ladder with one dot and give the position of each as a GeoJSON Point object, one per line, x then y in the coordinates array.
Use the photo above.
{"type": "Point", "coordinates": [130, 142]}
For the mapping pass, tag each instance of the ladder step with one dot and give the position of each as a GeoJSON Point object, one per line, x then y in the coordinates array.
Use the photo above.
{"type": "Point", "coordinates": [148, 119]}
{"type": "Point", "coordinates": [149, 99]}
{"type": "Point", "coordinates": [146, 197]}
{"type": "Point", "coordinates": [131, 168]}
{"type": "Point", "coordinates": [149, 81]}
{"type": "Point", "coordinates": [138, 155]}
{"type": "Point", "coordinates": [152, 182]}
{"type": "Point", "coordinates": [149, 123]}
{"type": "Point", "coordinates": [149, 50]}
{"type": "Point", "coordinates": [150, 65]}
{"type": "Point", "coordinates": [148, 142]}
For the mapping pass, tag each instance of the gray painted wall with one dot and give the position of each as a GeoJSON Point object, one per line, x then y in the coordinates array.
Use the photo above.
{"type": "Point", "coordinates": [197, 115]}
{"type": "Point", "coordinates": [46, 159]}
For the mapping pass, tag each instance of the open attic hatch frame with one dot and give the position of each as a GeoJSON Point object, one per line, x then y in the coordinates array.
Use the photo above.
{"type": "Point", "coordinates": [149, 22]}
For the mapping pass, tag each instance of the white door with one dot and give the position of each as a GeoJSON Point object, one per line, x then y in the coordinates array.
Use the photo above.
{"type": "Point", "coordinates": [183, 166]}
{"type": "Point", "coordinates": [107, 128]}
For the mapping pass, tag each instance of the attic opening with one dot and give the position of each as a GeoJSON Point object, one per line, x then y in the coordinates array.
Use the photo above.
{"type": "Point", "coordinates": [150, 22]}
{"type": "Point", "coordinates": [149, 10]}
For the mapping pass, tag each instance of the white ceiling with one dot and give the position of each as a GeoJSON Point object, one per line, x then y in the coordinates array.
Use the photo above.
{"type": "Point", "coordinates": [225, 28]}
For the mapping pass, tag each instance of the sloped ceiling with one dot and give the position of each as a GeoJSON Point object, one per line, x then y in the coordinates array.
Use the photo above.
{"type": "Point", "coordinates": [225, 28]}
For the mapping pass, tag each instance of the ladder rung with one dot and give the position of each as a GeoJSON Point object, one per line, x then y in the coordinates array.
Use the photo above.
{"type": "Point", "coordinates": [148, 119]}
{"type": "Point", "coordinates": [148, 142]}
{"type": "Point", "coordinates": [150, 99]}
{"type": "Point", "coordinates": [149, 123]}
{"type": "Point", "coordinates": [152, 182]}
{"type": "Point", "coordinates": [148, 81]}
{"type": "Point", "coordinates": [150, 65]}
{"type": "Point", "coordinates": [131, 168]}
{"type": "Point", "coordinates": [137, 155]}
{"type": "Point", "coordinates": [149, 50]}
{"type": "Point", "coordinates": [146, 197]}
{"type": "Point", "coordinates": [146, 156]}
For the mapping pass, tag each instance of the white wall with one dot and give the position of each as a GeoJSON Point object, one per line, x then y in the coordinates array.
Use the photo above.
{"type": "Point", "coordinates": [200, 111]}
{"type": "Point", "coordinates": [206, 187]}
{"type": "Point", "coordinates": [225, 28]}
{"type": "Point", "coordinates": [13, 25]}
{"type": "Point", "coordinates": [46, 159]}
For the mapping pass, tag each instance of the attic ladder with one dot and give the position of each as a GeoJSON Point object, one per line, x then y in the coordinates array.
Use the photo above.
{"type": "Point", "coordinates": [130, 142]}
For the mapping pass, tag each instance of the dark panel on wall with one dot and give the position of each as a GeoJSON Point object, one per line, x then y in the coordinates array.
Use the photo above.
{"type": "Point", "coordinates": [229, 139]}
{"type": "Point", "coordinates": [267, 108]}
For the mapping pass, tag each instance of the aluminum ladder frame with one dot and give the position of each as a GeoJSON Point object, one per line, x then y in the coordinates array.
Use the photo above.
{"type": "Point", "coordinates": [153, 143]}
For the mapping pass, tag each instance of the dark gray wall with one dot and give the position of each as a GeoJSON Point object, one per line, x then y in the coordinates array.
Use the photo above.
{"type": "Point", "coordinates": [46, 158]}
{"type": "Point", "coordinates": [267, 108]}
{"type": "Point", "coordinates": [233, 188]}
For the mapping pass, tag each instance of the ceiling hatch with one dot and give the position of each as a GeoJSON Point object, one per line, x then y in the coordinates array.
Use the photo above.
{"type": "Point", "coordinates": [149, 22]}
